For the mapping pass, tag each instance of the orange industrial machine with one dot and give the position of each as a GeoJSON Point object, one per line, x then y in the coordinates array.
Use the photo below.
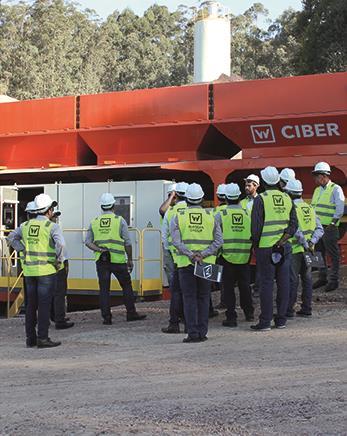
{"type": "Point", "coordinates": [209, 133]}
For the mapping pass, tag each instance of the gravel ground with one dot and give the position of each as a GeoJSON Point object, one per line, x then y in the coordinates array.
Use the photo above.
{"type": "Point", "coordinates": [129, 378]}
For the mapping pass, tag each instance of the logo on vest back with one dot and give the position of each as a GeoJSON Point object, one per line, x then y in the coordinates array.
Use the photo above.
{"type": "Point", "coordinates": [34, 231]}
{"type": "Point", "coordinates": [306, 211]}
{"type": "Point", "coordinates": [278, 200]}
{"type": "Point", "coordinates": [105, 222]}
{"type": "Point", "coordinates": [195, 218]}
{"type": "Point", "coordinates": [237, 219]}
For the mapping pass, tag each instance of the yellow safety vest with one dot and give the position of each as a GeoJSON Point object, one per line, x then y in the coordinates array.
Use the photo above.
{"type": "Point", "coordinates": [237, 243]}
{"type": "Point", "coordinates": [277, 208]}
{"type": "Point", "coordinates": [196, 227]}
{"type": "Point", "coordinates": [106, 231]}
{"type": "Point", "coordinates": [307, 224]}
{"type": "Point", "coordinates": [39, 255]}
{"type": "Point", "coordinates": [171, 213]}
{"type": "Point", "coordinates": [322, 204]}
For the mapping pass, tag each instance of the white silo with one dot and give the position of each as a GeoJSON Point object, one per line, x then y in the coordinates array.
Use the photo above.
{"type": "Point", "coordinates": [212, 39]}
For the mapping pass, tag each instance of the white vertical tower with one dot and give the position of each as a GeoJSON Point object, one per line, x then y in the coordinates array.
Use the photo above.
{"type": "Point", "coordinates": [212, 41]}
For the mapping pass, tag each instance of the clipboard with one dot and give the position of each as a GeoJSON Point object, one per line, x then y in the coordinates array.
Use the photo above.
{"type": "Point", "coordinates": [209, 271]}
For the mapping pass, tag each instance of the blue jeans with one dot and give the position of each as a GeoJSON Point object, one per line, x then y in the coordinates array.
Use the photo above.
{"type": "Point", "coordinates": [299, 268]}
{"type": "Point", "coordinates": [267, 274]}
{"type": "Point", "coordinates": [196, 301]}
{"type": "Point", "coordinates": [39, 294]}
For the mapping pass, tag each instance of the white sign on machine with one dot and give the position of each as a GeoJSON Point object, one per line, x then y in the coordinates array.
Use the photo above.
{"type": "Point", "coordinates": [264, 133]}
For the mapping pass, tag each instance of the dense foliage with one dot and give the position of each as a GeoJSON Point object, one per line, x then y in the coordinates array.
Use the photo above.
{"type": "Point", "coordinates": [52, 47]}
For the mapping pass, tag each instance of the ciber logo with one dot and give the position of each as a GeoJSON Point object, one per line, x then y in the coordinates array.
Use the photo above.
{"type": "Point", "coordinates": [207, 271]}
{"type": "Point", "coordinates": [105, 222]}
{"type": "Point", "coordinates": [264, 133]}
{"type": "Point", "coordinates": [34, 231]}
{"type": "Point", "coordinates": [278, 200]}
{"type": "Point", "coordinates": [195, 218]}
{"type": "Point", "coordinates": [306, 211]}
{"type": "Point", "coordinates": [237, 219]}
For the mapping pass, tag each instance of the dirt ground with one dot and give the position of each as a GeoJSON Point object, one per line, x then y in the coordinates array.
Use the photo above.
{"type": "Point", "coordinates": [129, 378]}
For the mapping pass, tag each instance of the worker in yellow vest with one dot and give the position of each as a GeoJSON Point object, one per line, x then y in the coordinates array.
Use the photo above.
{"type": "Point", "coordinates": [328, 202]}
{"type": "Point", "coordinates": [308, 234]}
{"type": "Point", "coordinates": [176, 302]}
{"type": "Point", "coordinates": [252, 184]}
{"type": "Point", "coordinates": [273, 223]}
{"type": "Point", "coordinates": [236, 254]}
{"type": "Point", "coordinates": [42, 243]}
{"type": "Point", "coordinates": [108, 237]}
{"type": "Point", "coordinates": [197, 236]}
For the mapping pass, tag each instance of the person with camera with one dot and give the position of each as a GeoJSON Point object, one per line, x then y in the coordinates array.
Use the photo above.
{"type": "Point", "coordinates": [108, 237]}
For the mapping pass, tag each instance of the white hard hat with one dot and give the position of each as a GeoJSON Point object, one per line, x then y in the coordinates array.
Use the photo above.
{"type": "Point", "coordinates": [31, 207]}
{"type": "Point", "coordinates": [195, 193]}
{"type": "Point", "coordinates": [232, 191]}
{"type": "Point", "coordinates": [221, 190]}
{"type": "Point", "coordinates": [287, 174]}
{"type": "Point", "coordinates": [322, 168]}
{"type": "Point", "coordinates": [252, 178]}
{"type": "Point", "coordinates": [270, 175]}
{"type": "Point", "coordinates": [171, 188]}
{"type": "Point", "coordinates": [181, 188]}
{"type": "Point", "coordinates": [107, 200]}
{"type": "Point", "coordinates": [294, 186]}
{"type": "Point", "coordinates": [43, 202]}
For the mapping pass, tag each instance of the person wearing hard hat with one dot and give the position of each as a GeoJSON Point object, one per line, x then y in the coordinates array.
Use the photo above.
{"type": "Point", "coordinates": [108, 237]}
{"type": "Point", "coordinates": [43, 245]}
{"type": "Point", "coordinates": [285, 175]}
{"type": "Point", "coordinates": [31, 210]}
{"type": "Point", "coordinates": [252, 184]}
{"type": "Point", "coordinates": [58, 308]}
{"type": "Point", "coordinates": [236, 253]}
{"type": "Point", "coordinates": [221, 198]}
{"type": "Point", "coordinates": [176, 302]}
{"type": "Point", "coordinates": [328, 202]}
{"type": "Point", "coordinates": [273, 223]}
{"type": "Point", "coordinates": [197, 236]}
{"type": "Point", "coordinates": [170, 201]}
{"type": "Point", "coordinates": [308, 234]}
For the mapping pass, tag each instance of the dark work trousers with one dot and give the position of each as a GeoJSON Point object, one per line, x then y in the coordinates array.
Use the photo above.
{"type": "Point", "coordinates": [233, 273]}
{"type": "Point", "coordinates": [120, 271]}
{"type": "Point", "coordinates": [169, 265]}
{"type": "Point", "coordinates": [59, 295]}
{"type": "Point", "coordinates": [39, 292]}
{"type": "Point", "coordinates": [196, 298]}
{"type": "Point", "coordinates": [299, 269]}
{"type": "Point", "coordinates": [267, 273]}
{"type": "Point", "coordinates": [329, 245]}
{"type": "Point", "coordinates": [176, 303]}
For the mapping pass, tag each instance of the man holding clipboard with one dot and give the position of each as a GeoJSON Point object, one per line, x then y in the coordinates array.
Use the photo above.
{"type": "Point", "coordinates": [197, 236]}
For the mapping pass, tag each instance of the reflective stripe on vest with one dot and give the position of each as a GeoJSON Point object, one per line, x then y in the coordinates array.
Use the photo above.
{"type": "Point", "coordinates": [106, 231]}
{"type": "Point", "coordinates": [171, 213]}
{"type": "Point", "coordinates": [39, 256]}
{"type": "Point", "coordinates": [307, 224]}
{"type": "Point", "coordinates": [321, 203]}
{"type": "Point", "coordinates": [277, 207]}
{"type": "Point", "coordinates": [237, 243]}
{"type": "Point", "coordinates": [196, 227]}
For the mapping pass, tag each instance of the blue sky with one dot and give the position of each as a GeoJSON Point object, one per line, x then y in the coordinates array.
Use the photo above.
{"type": "Point", "coordinates": [106, 7]}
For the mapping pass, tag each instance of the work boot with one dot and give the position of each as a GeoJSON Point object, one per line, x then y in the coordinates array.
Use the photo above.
{"type": "Point", "coordinates": [303, 314]}
{"type": "Point", "coordinates": [64, 325]}
{"type": "Point", "coordinates": [31, 342]}
{"type": "Point", "coordinates": [134, 316]}
{"type": "Point", "coordinates": [171, 329]}
{"type": "Point", "coordinates": [260, 328]}
{"type": "Point", "coordinates": [229, 323]}
{"type": "Point", "coordinates": [331, 287]}
{"type": "Point", "coordinates": [189, 339]}
{"type": "Point", "coordinates": [47, 343]}
{"type": "Point", "coordinates": [319, 283]}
